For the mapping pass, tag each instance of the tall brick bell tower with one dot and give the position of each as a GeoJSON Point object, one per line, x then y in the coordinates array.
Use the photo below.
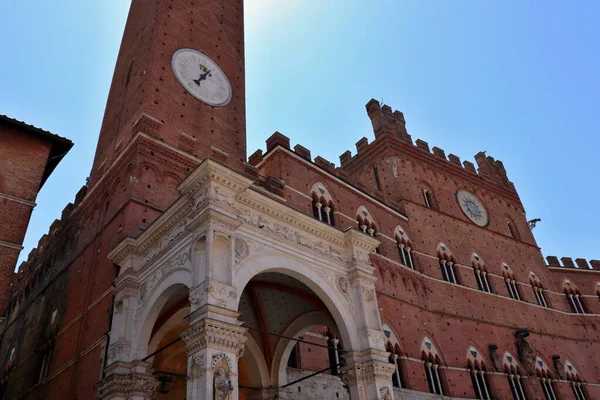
{"type": "Point", "coordinates": [154, 133]}
{"type": "Point", "coordinates": [146, 97]}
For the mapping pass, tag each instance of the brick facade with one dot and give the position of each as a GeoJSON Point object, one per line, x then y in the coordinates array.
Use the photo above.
{"type": "Point", "coordinates": [154, 135]}
{"type": "Point", "coordinates": [27, 157]}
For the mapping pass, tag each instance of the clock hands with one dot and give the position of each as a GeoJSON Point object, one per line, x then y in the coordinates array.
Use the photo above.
{"type": "Point", "coordinates": [202, 77]}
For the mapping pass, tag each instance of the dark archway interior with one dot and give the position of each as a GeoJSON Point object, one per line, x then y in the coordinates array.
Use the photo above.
{"type": "Point", "coordinates": [270, 305]}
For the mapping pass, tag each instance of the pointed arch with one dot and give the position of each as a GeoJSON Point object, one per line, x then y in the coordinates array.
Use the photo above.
{"type": "Point", "coordinates": [447, 263]}
{"type": "Point", "coordinates": [365, 220]}
{"type": "Point", "coordinates": [478, 371]}
{"type": "Point", "coordinates": [475, 357]}
{"type": "Point", "coordinates": [405, 247]}
{"type": "Point", "coordinates": [511, 282]}
{"type": "Point", "coordinates": [574, 297]}
{"type": "Point", "coordinates": [538, 289]}
{"type": "Point", "coordinates": [432, 362]}
{"type": "Point", "coordinates": [429, 350]}
{"type": "Point", "coordinates": [481, 274]}
{"type": "Point", "coordinates": [323, 205]}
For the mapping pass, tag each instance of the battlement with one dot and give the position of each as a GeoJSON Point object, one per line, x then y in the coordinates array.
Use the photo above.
{"type": "Point", "coordinates": [567, 262]}
{"type": "Point", "coordinates": [392, 123]}
{"type": "Point", "coordinates": [27, 267]}
{"type": "Point", "coordinates": [389, 123]}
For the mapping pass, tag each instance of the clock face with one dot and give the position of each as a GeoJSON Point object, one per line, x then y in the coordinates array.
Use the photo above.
{"type": "Point", "coordinates": [201, 77]}
{"type": "Point", "coordinates": [472, 207]}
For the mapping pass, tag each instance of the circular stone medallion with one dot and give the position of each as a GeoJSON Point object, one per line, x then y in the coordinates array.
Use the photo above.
{"type": "Point", "coordinates": [472, 207]}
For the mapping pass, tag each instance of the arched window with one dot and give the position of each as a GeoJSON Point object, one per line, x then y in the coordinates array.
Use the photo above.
{"type": "Point", "coordinates": [393, 348]}
{"type": "Point", "coordinates": [322, 204]}
{"type": "Point", "coordinates": [432, 364]}
{"type": "Point", "coordinates": [577, 384]}
{"type": "Point", "coordinates": [447, 262]}
{"type": "Point", "coordinates": [479, 378]}
{"type": "Point", "coordinates": [574, 298]}
{"type": "Point", "coordinates": [543, 373]}
{"type": "Point", "coordinates": [481, 275]}
{"type": "Point", "coordinates": [365, 221]}
{"type": "Point", "coordinates": [538, 290]}
{"type": "Point", "coordinates": [514, 377]}
{"type": "Point", "coordinates": [511, 282]}
{"type": "Point", "coordinates": [404, 247]}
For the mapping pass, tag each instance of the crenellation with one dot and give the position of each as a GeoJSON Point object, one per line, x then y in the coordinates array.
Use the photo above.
{"type": "Point", "coordinates": [567, 262]}
{"type": "Point", "coordinates": [67, 211]}
{"type": "Point", "coordinates": [439, 152]}
{"type": "Point", "coordinates": [345, 158]}
{"type": "Point", "coordinates": [469, 166]}
{"type": "Point", "coordinates": [582, 263]}
{"type": "Point", "coordinates": [362, 144]}
{"type": "Point", "coordinates": [454, 159]}
{"type": "Point", "coordinates": [302, 152]}
{"type": "Point", "coordinates": [423, 145]}
{"type": "Point", "coordinates": [255, 157]}
{"type": "Point", "coordinates": [277, 139]}
{"type": "Point", "coordinates": [54, 227]}
{"type": "Point", "coordinates": [401, 126]}
{"type": "Point", "coordinates": [81, 194]}
{"type": "Point", "coordinates": [325, 164]}
{"type": "Point", "coordinates": [553, 261]}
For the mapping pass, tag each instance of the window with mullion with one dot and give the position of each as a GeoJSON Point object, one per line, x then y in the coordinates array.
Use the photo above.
{"type": "Point", "coordinates": [514, 381]}
{"type": "Point", "coordinates": [578, 391]}
{"type": "Point", "coordinates": [433, 378]}
{"type": "Point", "coordinates": [480, 383]}
{"type": "Point", "coordinates": [406, 255]}
{"type": "Point", "coordinates": [482, 280]}
{"type": "Point", "coordinates": [575, 303]}
{"type": "Point", "coordinates": [539, 295]}
{"type": "Point", "coordinates": [448, 271]}
{"type": "Point", "coordinates": [513, 289]}
{"type": "Point", "coordinates": [547, 388]}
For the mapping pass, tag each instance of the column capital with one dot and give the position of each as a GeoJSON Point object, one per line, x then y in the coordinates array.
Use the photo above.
{"type": "Point", "coordinates": [136, 385]}
{"type": "Point", "coordinates": [371, 371]}
{"type": "Point", "coordinates": [215, 335]}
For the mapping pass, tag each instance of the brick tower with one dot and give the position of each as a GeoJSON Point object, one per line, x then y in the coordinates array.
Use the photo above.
{"type": "Point", "coordinates": [145, 95]}
{"type": "Point", "coordinates": [154, 133]}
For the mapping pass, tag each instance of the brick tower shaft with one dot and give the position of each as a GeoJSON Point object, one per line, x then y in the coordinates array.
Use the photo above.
{"type": "Point", "coordinates": [146, 96]}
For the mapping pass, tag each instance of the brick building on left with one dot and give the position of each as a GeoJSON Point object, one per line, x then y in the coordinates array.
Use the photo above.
{"type": "Point", "coordinates": [28, 155]}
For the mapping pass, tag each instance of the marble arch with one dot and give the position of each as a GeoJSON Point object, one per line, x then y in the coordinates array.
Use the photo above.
{"type": "Point", "coordinates": [327, 293]}
{"type": "Point", "coordinates": [158, 297]}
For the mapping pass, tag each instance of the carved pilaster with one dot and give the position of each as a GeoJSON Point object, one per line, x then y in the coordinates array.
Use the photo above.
{"type": "Point", "coordinates": [213, 348]}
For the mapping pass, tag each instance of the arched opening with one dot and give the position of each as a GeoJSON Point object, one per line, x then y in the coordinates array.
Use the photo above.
{"type": "Point", "coordinates": [165, 351]}
{"type": "Point", "coordinates": [292, 334]}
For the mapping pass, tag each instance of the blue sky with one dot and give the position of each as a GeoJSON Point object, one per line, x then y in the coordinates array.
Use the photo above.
{"type": "Point", "coordinates": [516, 78]}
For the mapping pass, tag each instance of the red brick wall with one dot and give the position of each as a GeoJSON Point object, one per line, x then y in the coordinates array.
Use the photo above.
{"type": "Point", "coordinates": [22, 162]}
{"type": "Point", "coordinates": [418, 303]}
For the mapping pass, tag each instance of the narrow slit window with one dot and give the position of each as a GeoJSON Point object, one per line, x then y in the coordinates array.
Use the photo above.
{"type": "Point", "coordinates": [428, 199]}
